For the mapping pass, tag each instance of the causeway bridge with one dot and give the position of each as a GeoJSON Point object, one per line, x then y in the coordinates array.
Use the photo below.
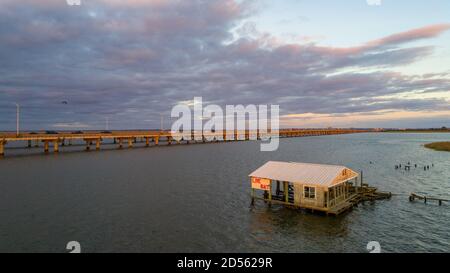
{"type": "Point", "coordinates": [52, 141]}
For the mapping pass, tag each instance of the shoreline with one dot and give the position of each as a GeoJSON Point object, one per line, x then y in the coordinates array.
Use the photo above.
{"type": "Point", "coordinates": [439, 146]}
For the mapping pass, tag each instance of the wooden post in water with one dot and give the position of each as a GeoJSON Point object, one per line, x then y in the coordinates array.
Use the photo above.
{"type": "Point", "coordinates": [270, 193]}
{"type": "Point", "coordinates": [361, 180]}
{"type": "Point", "coordinates": [253, 196]}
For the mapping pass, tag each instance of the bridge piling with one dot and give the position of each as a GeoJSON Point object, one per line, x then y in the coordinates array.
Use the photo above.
{"type": "Point", "coordinates": [2, 148]}
{"type": "Point", "coordinates": [97, 144]}
{"type": "Point", "coordinates": [45, 146]}
{"type": "Point", "coordinates": [55, 146]}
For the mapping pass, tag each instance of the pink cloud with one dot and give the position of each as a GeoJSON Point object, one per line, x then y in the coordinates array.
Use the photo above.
{"type": "Point", "coordinates": [411, 35]}
{"type": "Point", "coordinates": [426, 32]}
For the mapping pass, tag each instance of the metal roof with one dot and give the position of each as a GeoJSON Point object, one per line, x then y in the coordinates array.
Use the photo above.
{"type": "Point", "coordinates": [304, 173]}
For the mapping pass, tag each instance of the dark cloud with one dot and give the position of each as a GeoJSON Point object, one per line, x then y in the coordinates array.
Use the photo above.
{"type": "Point", "coordinates": [132, 60]}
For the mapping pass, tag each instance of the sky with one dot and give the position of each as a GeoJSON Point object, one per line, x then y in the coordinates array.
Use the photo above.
{"type": "Point", "coordinates": [326, 63]}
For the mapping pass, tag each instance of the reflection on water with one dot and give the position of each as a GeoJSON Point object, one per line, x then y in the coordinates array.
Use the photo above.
{"type": "Point", "coordinates": [196, 198]}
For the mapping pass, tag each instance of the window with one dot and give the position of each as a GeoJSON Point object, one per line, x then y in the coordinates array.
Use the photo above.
{"type": "Point", "coordinates": [310, 192]}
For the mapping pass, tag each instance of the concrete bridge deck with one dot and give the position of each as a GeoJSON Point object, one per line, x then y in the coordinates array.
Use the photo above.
{"type": "Point", "coordinates": [90, 138]}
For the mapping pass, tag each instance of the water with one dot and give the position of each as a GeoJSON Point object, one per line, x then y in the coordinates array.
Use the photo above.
{"type": "Point", "coordinates": [196, 198]}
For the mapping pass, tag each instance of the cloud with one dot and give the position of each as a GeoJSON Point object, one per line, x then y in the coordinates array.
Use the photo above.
{"type": "Point", "coordinates": [411, 35]}
{"type": "Point", "coordinates": [132, 62]}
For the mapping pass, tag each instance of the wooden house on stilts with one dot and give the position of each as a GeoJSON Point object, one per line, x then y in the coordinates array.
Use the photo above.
{"type": "Point", "coordinates": [317, 187]}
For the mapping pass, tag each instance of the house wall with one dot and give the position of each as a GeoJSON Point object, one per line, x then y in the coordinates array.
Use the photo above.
{"type": "Point", "coordinates": [299, 199]}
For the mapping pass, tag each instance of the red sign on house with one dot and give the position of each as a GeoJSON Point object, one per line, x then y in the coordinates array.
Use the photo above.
{"type": "Point", "coordinates": [260, 183]}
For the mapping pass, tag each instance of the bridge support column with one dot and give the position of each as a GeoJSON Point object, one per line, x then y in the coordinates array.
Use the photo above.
{"type": "Point", "coordinates": [97, 144]}
{"type": "Point", "coordinates": [29, 143]}
{"type": "Point", "coordinates": [88, 145]}
{"type": "Point", "coordinates": [147, 142]}
{"type": "Point", "coordinates": [130, 143]}
{"type": "Point", "coordinates": [120, 143]}
{"type": "Point", "coordinates": [156, 140]}
{"type": "Point", "coordinates": [46, 146]}
{"type": "Point", "coordinates": [55, 146]}
{"type": "Point", "coordinates": [2, 148]}
{"type": "Point", "coordinates": [169, 140]}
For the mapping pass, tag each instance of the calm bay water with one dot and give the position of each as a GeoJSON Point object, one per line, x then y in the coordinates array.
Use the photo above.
{"type": "Point", "coordinates": [196, 198]}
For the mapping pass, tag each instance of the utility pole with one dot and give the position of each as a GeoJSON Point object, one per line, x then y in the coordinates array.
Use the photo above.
{"type": "Point", "coordinates": [17, 119]}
